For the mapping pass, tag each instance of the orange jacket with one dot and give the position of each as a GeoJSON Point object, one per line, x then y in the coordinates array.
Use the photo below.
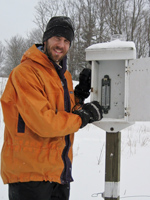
{"type": "Point", "coordinates": [34, 96]}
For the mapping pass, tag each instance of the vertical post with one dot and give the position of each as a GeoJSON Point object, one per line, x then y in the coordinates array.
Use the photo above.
{"type": "Point", "coordinates": [112, 168]}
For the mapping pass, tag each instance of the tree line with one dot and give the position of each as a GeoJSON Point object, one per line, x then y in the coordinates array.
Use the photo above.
{"type": "Point", "coordinates": [95, 21]}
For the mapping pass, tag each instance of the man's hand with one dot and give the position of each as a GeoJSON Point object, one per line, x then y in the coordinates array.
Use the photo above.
{"type": "Point", "coordinates": [89, 113]}
{"type": "Point", "coordinates": [82, 90]}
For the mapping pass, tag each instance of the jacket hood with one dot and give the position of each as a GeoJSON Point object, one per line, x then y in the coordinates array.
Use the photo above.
{"type": "Point", "coordinates": [36, 55]}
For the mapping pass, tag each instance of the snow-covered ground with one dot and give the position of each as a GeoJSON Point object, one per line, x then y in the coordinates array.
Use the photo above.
{"type": "Point", "coordinates": [89, 163]}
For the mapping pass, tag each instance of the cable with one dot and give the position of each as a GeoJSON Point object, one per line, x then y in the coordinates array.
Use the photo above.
{"type": "Point", "coordinates": [145, 196]}
{"type": "Point", "coordinates": [95, 194]}
{"type": "Point", "coordinates": [137, 196]}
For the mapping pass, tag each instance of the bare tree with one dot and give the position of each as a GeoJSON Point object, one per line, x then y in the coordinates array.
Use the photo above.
{"type": "Point", "coordinates": [136, 29]}
{"type": "Point", "coordinates": [2, 58]}
{"type": "Point", "coordinates": [44, 11]}
{"type": "Point", "coordinates": [102, 29]}
{"type": "Point", "coordinates": [34, 37]}
{"type": "Point", "coordinates": [1, 54]}
{"type": "Point", "coordinates": [135, 16]}
{"type": "Point", "coordinates": [83, 14]}
{"type": "Point", "coordinates": [146, 27]}
{"type": "Point", "coordinates": [95, 21]}
{"type": "Point", "coordinates": [14, 51]}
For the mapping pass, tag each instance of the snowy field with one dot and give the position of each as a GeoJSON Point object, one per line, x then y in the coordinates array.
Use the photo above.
{"type": "Point", "coordinates": [89, 162]}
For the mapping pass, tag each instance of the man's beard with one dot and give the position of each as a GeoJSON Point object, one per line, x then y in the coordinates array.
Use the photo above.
{"type": "Point", "coordinates": [49, 54]}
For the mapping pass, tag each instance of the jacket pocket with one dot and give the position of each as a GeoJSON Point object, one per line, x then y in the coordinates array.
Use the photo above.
{"type": "Point", "coordinates": [21, 125]}
{"type": "Point", "coordinates": [72, 99]}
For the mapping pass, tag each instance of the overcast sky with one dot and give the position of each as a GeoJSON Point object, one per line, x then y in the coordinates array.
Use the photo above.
{"type": "Point", "coordinates": [16, 17]}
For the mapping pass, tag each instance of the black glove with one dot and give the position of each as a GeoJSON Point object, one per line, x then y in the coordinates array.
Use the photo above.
{"type": "Point", "coordinates": [84, 116]}
{"type": "Point", "coordinates": [82, 90]}
{"type": "Point", "coordinates": [95, 111]}
{"type": "Point", "coordinates": [89, 113]}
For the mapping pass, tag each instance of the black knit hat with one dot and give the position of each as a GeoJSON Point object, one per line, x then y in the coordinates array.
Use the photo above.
{"type": "Point", "coordinates": [59, 26]}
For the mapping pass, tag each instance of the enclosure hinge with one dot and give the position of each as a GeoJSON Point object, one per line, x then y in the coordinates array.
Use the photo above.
{"type": "Point", "coordinates": [127, 69]}
{"type": "Point", "coordinates": [127, 112]}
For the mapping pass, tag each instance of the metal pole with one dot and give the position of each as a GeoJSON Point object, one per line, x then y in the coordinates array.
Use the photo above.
{"type": "Point", "coordinates": [112, 168]}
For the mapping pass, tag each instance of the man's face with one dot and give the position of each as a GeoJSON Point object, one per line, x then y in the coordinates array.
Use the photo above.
{"type": "Point", "coordinates": [56, 48]}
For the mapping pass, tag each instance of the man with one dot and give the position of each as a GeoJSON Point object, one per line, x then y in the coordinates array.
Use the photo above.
{"type": "Point", "coordinates": [39, 121]}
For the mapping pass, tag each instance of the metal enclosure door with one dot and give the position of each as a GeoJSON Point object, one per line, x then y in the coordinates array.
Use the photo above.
{"type": "Point", "coordinates": [139, 90]}
{"type": "Point", "coordinates": [115, 69]}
